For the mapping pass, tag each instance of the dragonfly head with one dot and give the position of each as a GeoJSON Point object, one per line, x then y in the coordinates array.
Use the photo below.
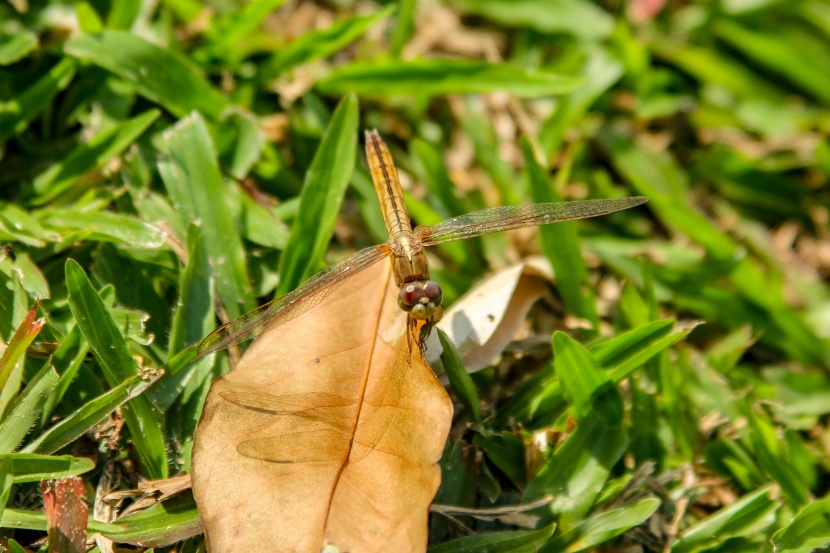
{"type": "Point", "coordinates": [421, 299]}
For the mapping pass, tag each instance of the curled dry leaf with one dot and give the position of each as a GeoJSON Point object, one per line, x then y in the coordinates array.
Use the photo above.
{"type": "Point", "coordinates": [327, 433]}
{"type": "Point", "coordinates": [149, 493]}
{"type": "Point", "coordinates": [483, 321]}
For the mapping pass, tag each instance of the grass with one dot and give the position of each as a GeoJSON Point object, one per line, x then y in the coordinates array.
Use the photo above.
{"type": "Point", "coordinates": [160, 161]}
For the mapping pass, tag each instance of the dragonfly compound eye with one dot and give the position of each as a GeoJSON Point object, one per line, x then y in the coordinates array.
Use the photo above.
{"type": "Point", "coordinates": [433, 291]}
{"type": "Point", "coordinates": [420, 299]}
{"type": "Point", "coordinates": [410, 295]}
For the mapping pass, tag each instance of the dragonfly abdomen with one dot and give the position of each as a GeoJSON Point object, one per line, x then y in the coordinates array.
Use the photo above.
{"type": "Point", "coordinates": [388, 188]}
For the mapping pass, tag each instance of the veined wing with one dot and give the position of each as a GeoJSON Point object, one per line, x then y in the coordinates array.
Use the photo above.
{"type": "Point", "coordinates": [497, 219]}
{"type": "Point", "coordinates": [293, 304]}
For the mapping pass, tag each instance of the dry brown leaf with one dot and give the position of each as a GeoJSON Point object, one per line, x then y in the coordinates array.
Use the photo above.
{"type": "Point", "coordinates": [64, 504]}
{"type": "Point", "coordinates": [156, 489]}
{"type": "Point", "coordinates": [482, 322]}
{"type": "Point", "coordinates": [326, 434]}
{"type": "Point", "coordinates": [102, 510]}
{"type": "Point", "coordinates": [149, 493]}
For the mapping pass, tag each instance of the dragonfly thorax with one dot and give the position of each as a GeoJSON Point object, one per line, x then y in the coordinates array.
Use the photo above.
{"type": "Point", "coordinates": [409, 264]}
{"type": "Point", "coordinates": [420, 299]}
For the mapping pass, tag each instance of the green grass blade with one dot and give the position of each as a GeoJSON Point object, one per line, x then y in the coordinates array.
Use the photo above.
{"type": "Point", "coordinates": [322, 194]}
{"type": "Point", "coordinates": [442, 76]}
{"type": "Point", "coordinates": [775, 460]}
{"type": "Point", "coordinates": [104, 226]}
{"type": "Point", "coordinates": [234, 28]}
{"type": "Point", "coordinates": [26, 520]}
{"type": "Point", "coordinates": [113, 356]}
{"type": "Point", "coordinates": [240, 142]}
{"type": "Point", "coordinates": [404, 27]}
{"type": "Point", "coordinates": [74, 425]}
{"type": "Point", "coordinates": [733, 459]}
{"type": "Point", "coordinates": [162, 524]}
{"type": "Point", "coordinates": [193, 320]}
{"type": "Point", "coordinates": [584, 384]}
{"type": "Point", "coordinates": [506, 451]}
{"type": "Point", "coordinates": [192, 177]}
{"type": "Point", "coordinates": [711, 66]}
{"type": "Point", "coordinates": [67, 360]}
{"type": "Point", "coordinates": [657, 175]}
{"type": "Point", "coordinates": [522, 541]}
{"type": "Point", "coordinates": [443, 198]}
{"type": "Point", "coordinates": [543, 393]}
{"type": "Point", "coordinates": [31, 277]}
{"type": "Point", "coordinates": [89, 156]}
{"type": "Point", "coordinates": [194, 316]}
{"type": "Point", "coordinates": [579, 17]}
{"type": "Point", "coordinates": [165, 523]}
{"type": "Point", "coordinates": [97, 326]}
{"type": "Point", "coordinates": [159, 75]}
{"type": "Point", "coordinates": [19, 225]}
{"type": "Point", "coordinates": [600, 72]}
{"type": "Point", "coordinates": [319, 44]}
{"type": "Point", "coordinates": [88, 19]}
{"type": "Point", "coordinates": [791, 53]}
{"type": "Point", "coordinates": [808, 531]}
{"type": "Point", "coordinates": [15, 547]}
{"type": "Point", "coordinates": [598, 529]}
{"type": "Point", "coordinates": [261, 225]}
{"type": "Point", "coordinates": [629, 365]}
{"type": "Point", "coordinates": [478, 126]}
{"type": "Point", "coordinates": [16, 46]}
{"type": "Point", "coordinates": [751, 512]}
{"type": "Point", "coordinates": [577, 471]}
{"type": "Point", "coordinates": [16, 114]}
{"type": "Point", "coordinates": [560, 243]}
{"type": "Point", "coordinates": [166, 150]}
{"type": "Point", "coordinates": [459, 473]}
{"type": "Point", "coordinates": [6, 482]}
{"type": "Point", "coordinates": [725, 353]}
{"type": "Point", "coordinates": [624, 346]}
{"type": "Point", "coordinates": [23, 413]}
{"type": "Point", "coordinates": [460, 380]}
{"type": "Point", "coordinates": [434, 173]}
{"type": "Point", "coordinates": [122, 15]}
{"type": "Point", "coordinates": [29, 467]}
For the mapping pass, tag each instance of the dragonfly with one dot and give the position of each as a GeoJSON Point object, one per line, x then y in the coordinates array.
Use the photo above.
{"type": "Point", "coordinates": [419, 296]}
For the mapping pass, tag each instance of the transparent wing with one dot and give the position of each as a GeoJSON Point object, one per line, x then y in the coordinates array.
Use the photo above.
{"type": "Point", "coordinates": [497, 219]}
{"type": "Point", "coordinates": [293, 304]}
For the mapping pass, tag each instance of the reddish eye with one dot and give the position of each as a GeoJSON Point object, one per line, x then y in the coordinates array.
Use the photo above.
{"type": "Point", "coordinates": [410, 296]}
{"type": "Point", "coordinates": [433, 292]}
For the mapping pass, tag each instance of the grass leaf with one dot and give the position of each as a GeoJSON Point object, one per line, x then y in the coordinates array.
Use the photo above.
{"type": "Point", "coordinates": [442, 76]}
{"type": "Point", "coordinates": [319, 44]}
{"type": "Point", "coordinates": [159, 75]}
{"type": "Point", "coordinates": [191, 175]}
{"type": "Point", "coordinates": [526, 541]}
{"type": "Point", "coordinates": [28, 467]}
{"type": "Point", "coordinates": [16, 114]}
{"type": "Point", "coordinates": [461, 382]}
{"type": "Point", "coordinates": [111, 350]}
{"type": "Point", "coordinates": [99, 150]}
{"type": "Point", "coordinates": [807, 531]}
{"type": "Point", "coordinates": [26, 409]}
{"type": "Point", "coordinates": [322, 195]}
